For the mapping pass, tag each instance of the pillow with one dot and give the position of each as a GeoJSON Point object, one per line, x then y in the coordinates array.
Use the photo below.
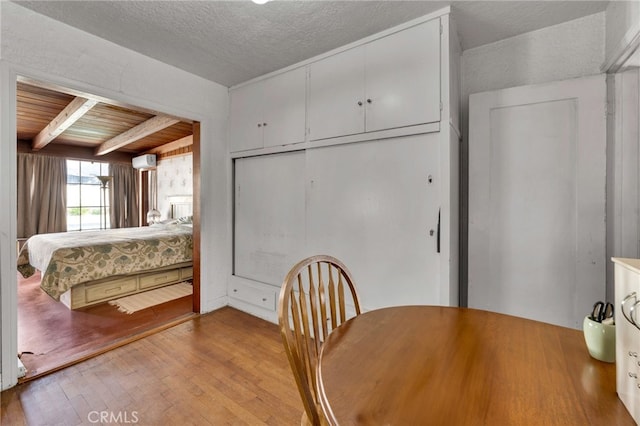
{"type": "Point", "coordinates": [184, 220]}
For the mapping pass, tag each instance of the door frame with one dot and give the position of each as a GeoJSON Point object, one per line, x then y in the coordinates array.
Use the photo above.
{"type": "Point", "coordinates": [9, 76]}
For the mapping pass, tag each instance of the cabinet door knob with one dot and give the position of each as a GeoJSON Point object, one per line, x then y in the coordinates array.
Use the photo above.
{"type": "Point", "coordinates": [264, 124]}
{"type": "Point", "coordinates": [369, 101]}
{"type": "Point", "coordinates": [259, 124]}
{"type": "Point", "coordinates": [359, 103]}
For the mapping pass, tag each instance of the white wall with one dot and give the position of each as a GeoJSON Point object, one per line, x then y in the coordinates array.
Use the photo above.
{"type": "Point", "coordinates": [174, 177]}
{"type": "Point", "coordinates": [41, 48]}
{"type": "Point", "coordinates": [568, 50]}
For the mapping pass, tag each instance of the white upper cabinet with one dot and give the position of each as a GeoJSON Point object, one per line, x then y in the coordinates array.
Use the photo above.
{"type": "Point", "coordinates": [403, 78]}
{"type": "Point", "coordinates": [336, 95]}
{"type": "Point", "coordinates": [245, 117]}
{"type": "Point", "coordinates": [284, 108]}
{"type": "Point", "coordinates": [388, 83]}
{"type": "Point", "coordinates": [268, 113]}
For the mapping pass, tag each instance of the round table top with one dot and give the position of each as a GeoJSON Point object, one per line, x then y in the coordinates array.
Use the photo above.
{"type": "Point", "coordinates": [444, 365]}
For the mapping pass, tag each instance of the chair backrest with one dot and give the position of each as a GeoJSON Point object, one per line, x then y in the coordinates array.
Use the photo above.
{"type": "Point", "coordinates": [313, 301]}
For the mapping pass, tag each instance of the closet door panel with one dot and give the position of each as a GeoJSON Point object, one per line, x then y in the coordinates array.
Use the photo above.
{"type": "Point", "coordinates": [269, 235]}
{"type": "Point", "coordinates": [371, 205]}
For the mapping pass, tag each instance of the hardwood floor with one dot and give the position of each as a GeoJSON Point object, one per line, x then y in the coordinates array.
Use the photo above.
{"type": "Point", "coordinates": [50, 336]}
{"type": "Point", "coordinates": [225, 367]}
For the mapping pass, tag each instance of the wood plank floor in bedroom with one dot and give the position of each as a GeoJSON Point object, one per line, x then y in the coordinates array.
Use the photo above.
{"type": "Point", "coordinates": [50, 336]}
{"type": "Point", "coordinates": [225, 367]}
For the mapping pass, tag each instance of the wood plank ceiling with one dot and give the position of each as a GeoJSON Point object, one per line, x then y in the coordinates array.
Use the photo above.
{"type": "Point", "coordinates": [103, 127]}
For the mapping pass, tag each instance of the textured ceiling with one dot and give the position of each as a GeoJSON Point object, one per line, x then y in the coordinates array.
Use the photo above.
{"type": "Point", "coordinates": [233, 41]}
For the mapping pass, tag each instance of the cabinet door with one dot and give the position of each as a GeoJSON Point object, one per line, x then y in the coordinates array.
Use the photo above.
{"type": "Point", "coordinates": [336, 95]}
{"type": "Point", "coordinates": [403, 78]}
{"type": "Point", "coordinates": [372, 205]}
{"type": "Point", "coordinates": [284, 108]}
{"type": "Point", "coordinates": [245, 117]}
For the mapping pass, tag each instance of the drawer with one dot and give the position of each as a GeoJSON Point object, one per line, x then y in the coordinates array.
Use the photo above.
{"type": "Point", "coordinates": [159, 278]}
{"type": "Point", "coordinates": [254, 294]}
{"type": "Point", "coordinates": [108, 290]}
{"type": "Point", "coordinates": [186, 273]}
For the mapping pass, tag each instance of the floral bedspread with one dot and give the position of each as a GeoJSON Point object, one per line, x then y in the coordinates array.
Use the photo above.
{"type": "Point", "coordinates": [70, 258]}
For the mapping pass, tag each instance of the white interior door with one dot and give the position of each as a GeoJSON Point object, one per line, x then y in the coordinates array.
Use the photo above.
{"type": "Point", "coordinates": [537, 164]}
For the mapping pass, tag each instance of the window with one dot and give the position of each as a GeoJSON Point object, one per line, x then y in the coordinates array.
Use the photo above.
{"type": "Point", "coordinates": [87, 199]}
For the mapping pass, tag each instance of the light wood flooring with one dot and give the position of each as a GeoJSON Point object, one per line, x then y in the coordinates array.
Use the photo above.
{"type": "Point", "coordinates": [50, 336]}
{"type": "Point", "coordinates": [225, 367]}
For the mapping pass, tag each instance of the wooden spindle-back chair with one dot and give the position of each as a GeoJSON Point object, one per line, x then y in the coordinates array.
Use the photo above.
{"type": "Point", "coordinates": [313, 301]}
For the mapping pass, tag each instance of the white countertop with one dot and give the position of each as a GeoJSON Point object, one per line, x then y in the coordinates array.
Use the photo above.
{"type": "Point", "coordinates": [633, 264]}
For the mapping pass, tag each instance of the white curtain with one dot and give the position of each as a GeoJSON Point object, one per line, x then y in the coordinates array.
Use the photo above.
{"type": "Point", "coordinates": [124, 196]}
{"type": "Point", "coordinates": [42, 194]}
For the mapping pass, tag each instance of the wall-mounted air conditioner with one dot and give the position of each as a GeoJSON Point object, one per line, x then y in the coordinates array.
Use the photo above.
{"type": "Point", "coordinates": [143, 162]}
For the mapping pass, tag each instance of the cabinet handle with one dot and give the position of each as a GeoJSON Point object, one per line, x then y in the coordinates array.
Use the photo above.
{"type": "Point", "coordinates": [259, 124]}
{"type": "Point", "coordinates": [629, 316]}
{"type": "Point", "coordinates": [369, 101]}
{"type": "Point", "coordinates": [359, 103]}
{"type": "Point", "coordinates": [264, 124]}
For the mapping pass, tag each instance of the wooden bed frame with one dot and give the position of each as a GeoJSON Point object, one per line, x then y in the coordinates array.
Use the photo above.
{"type": "Point", "coordinates": [100, 291]}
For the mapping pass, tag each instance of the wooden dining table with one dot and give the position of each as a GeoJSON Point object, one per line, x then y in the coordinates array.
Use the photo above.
{"type": "Point", "coordinates": [433, 365]}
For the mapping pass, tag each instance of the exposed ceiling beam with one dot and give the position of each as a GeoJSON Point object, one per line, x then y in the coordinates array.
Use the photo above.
{"type": "Point", "coordinates": [150, 126]}
{"type": "Point", "coordinates": [65, 119]}
{"type": "Point", "coordinates": [172, 146]}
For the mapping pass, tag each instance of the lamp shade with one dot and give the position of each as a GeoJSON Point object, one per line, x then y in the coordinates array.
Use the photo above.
{"type": "Point", "coordinates": [104, 180]}
{"type": "Point", "coordinates": [153, 216]}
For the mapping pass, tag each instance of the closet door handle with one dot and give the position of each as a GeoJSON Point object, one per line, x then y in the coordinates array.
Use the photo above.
{"type": "Point", "coordinates": [438, 236]}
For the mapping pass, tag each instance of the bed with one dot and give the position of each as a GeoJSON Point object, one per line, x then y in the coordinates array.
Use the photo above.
{"type": "Point", "coordinates": [85, 268]}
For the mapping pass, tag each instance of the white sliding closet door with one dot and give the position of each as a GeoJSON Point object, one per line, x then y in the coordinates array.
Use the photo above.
{"type": "Point", "coordinates": [269, 223]}
{"type": "Point", "coordinates": [374, 205]}
{"type": "Point", "coordinates": [537, 163]}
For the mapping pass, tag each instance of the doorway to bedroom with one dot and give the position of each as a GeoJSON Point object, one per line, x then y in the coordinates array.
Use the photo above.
{"type": "Point", "coordinates": [91, 143]}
